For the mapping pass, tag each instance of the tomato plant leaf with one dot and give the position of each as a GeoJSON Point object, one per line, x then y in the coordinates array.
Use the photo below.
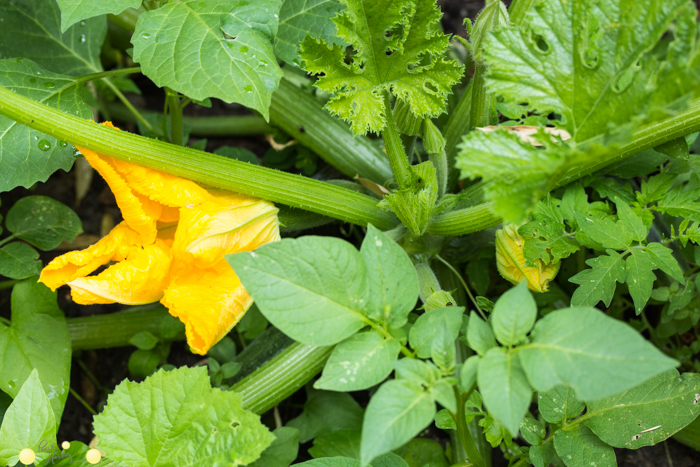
{"type": "Point", "coordinates": [19, 261]}
{"type": "Point", "coordinates": [604, 231]}
{"type": "Point", "coordinates": [176, 418]}
{"type": "Point", "coordinates": [640, 278]}
{"type": "Point", "coordinates": [679, 202]}
{"type": "Point", "coordinates": [581, 447]}
{"type": "Point", "coordinates": [662, 257]}
{"type": "Point", "coordinates": [73, 11]}
{"type": "Point", "coordinates": [225, 53]}
{"type": "Point", "coordinates": [599, 282]}
{"type": "Point", "coordinates": [595, 354]}
{"type": "Point", "coordinates": [648, 413]}
{"type": "Point", "coordinates": [399, 49]}
{"type": "Point", "coordinates": [559, 404]}
{"type": "Point", "coordinates": [359, 362]}
{"type": "Point", "coordinates": [546, 237]}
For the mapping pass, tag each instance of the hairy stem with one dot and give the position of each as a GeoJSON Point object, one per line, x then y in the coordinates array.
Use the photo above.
{"type": "Point", "coordinates": [394, 147]}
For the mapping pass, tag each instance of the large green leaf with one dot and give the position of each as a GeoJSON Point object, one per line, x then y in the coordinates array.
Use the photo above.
{"type": "Point", "coordinates": [581, 448]}
{"type": "Point", "coordinates": [31, 29]}
{"type": "Point", "coordinates": [37, 339]}
{"type": "Point", "coordinates": [314, 289]}
{"type": "Point", "coordinates": [19, 261]}
{"type": "Point", "coordinates": [73, 11]}
{"type": "Point", "coordinates": [595, 354]}
{"type": "Point", "coordinates": [28, 156]}
{"type": "Point", "coordinates": [43, 222]}
{"type": "Point", "coordinates": [429, 325]}
{"type": "Point", "coordinates": [559, 404]}
{"type": "Point", "coordinates": [514, 314]}
{"type": "Point", "coordinates": [28, 421]}
{"type": "Point", "coordinates": [301, 17]}
{"type": "Point", "coordinates": [327, 412]}
{"type": "Point", "coordinates": [212, 48]}
{"type": "Point", "coordinates": [646, 414]}
{"type": "Point", "coordinates": [176, 418]}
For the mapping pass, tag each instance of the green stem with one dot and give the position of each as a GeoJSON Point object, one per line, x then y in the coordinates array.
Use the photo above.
{"type": "Point", "coordinates": [482, 102]}
{"type": "Point", "coordinates": [458, 124]}
{"type": "Point", "coordinates": [7, 239]}
{"type": "Point", "coordinates": [394, 147]}
{"type": "Point", "coordinates": [427, 281]}
{"type": "Point", "coordinates": [463, 431]}
{"type": "Point", "coordinates": [281, 187]}
{"type": "Point", "coordinates": [439, 161]}
{"type": "Point", "coordinates": [107, 74]}
{"type": "Point", "coordinates": [175, 117]}
{"type": "Point", "coordinates": [5, 321]}
{"type": "Point", "coordinates": [82, 401]}
{"type": "Point", "coordinates": [464, 284]}
{"type": "Point", "coordinates": [129, 106]}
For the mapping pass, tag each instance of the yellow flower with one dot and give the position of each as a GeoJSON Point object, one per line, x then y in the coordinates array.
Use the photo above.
{"type": "Point", "coordinates": [182, 264]}
{"type": "Point", "coordinates": [510, 259]}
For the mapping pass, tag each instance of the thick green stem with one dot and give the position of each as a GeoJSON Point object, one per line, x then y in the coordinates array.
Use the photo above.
{"type": "Point", "coordinates": [394, 147]}
{"type": "Point", "coordinates": [281, 187]}
{"type": "Point", "coordinates": [457, 126]}
{"type": "Point", "coordinates": [464, 433]}
{"type": "Point", "coordinates": [439, 161]}
{"type": "Point", "coordinates": [175, 118]}
{"type": "Point", "coordinates": [427, 281]}
{"type": "Point", "coordinates": [482, 101]}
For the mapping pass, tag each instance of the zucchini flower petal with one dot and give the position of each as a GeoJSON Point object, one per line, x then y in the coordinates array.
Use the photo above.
{"type": "Point", "coordinates": [139, 279]}
{"type": "Point", "coordinates": [75, 264]}
{"type": "Point", "coordinates": [209, 301]}
{"type": "Point", "coordinates": [510, 259]}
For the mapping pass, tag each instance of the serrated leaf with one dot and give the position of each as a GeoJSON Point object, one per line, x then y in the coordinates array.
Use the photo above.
{"type": "Point", "coordinates": [43, 222]}
{"type": "Point", "coordinates": [299, 18]}
{"type": "Point", "coordinates": [678, 202]}
{"type": "Point", "coordinates": [514, 315]}
{"type": "Point", "coordinates": [646, 414]}
{"type": "Point", "coordinates": [595, 354]}
{"type": "Point", "coordinates": [360, 362]}
{"type": "Point", "coordinates": [400, 49]}
{"type": "Point", "coordinates": [19, 261]}
{"type": "Point", "coordinates": [31, 29]}
{"type": "Point", "coordinates": [662, 257]}
{"type": "Point", "coordinates": [426, 328]}
{"type": "Point", "coordinates": [599, 282]}
{"type": "Point", "coordinates": [228, 52]}
{"type": "Point", "coordinates": [604, 231]}
{"type": "Point", "coordinates": [632, 222]}
{"type": "Point", "coordinates": [28, 156]}
{"type": "Point", "coordinates": [581, 447]}
{"type": "Point", "coordinates": [176, 418]}
{"type": "Point", "coordinates": [546, 237]}
{"type": "Point", "coordinates": [73, 11]}
{"type": "Point", "coordinates": [640, 278]}
{"type": "Point", "coordinates": [559, 404]}
{"type": "Point", "coordinates": [327, 412]}
{"type": "Point", "coordinates": [314, 289]}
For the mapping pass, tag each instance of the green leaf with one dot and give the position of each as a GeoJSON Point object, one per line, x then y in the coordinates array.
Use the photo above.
{"type": "Point", "coordinates": [143, 363]}
{"type": "Point", "coordinates": [331, 462]}
{"type": "Point", "coordinates": [640, 278]}
{"type": "Point", "coordinates": [646, 414]}
{"type": "Point", "coordinates": [28, 156]}
{"type": "Point", "coordinates": [144, 340]}
{"type": "Point", "coordinates": [327, 412]}
{"type": "Point", "coordinates": [611, 188]}
{"type": "Point", "coordinates": [73, 11]}
{"type": "Point", "coordinates": [422, 451]}
{"type": "Point", "coordinates": [299, 18]}
{"type": "Point", "coordinates": [399, 49]}
{"type": "Point", "coordinates": [514, 315]}
{"type": "Point", "coordinates": [38, 339]}
{"type": "Point", "coordinates": [240, 154]}
{"type": "Point", "coordinates": [662, 257]}
{"type": "Point", "coordinates": [43, 222]}
{"type": "Point", "coordinates": [580, 447]}
{"type": "Point", "coordinates": [632, 222]}
{"type": "Point", "coordinates": [282, 451]}
{"type": "Point", "coordinates": [414, 205]}
{"type": "Point", "coordinates": [31, 29]}
{"type": "Point", "coordinates": [397, 412]}
{"type": "Point", "coordinates": [176, 418]}
{"type": "Point", "coordinates": [467, 375]}
{"type": "Point", "coordinates": [393, 281]}
{"type": "Point", "coordinates": [227, 52]}
{"type": "Point", "coordinates": [443, 392]}
{"type": "Point", "coordinates": [417, 371]}
{"type": "Point", "coordinates": [344, 443]}
{"type": "Point", "coordinates": [532, 431]}
{"type": "Point", "coordinates": [426, 328]}
{"type": "Point", "coordinates": [444, 420]}
{"type": "Point", "coordinates": [314, 289]}
{"type": "Point", "coordinates": [655, 188]}
{"type": "Point", "coordinates": [541, 456]}
{"type": "Point", "coordinates": [19, 261]}
{"type": "Point", "coordinates": [559, 404]}
{"type": "Point", "coordinates": [28, 421]}
{"type": "Point", "coordinates": [480, 335]}
{"type": "Point", "coordinates": [389, 460]}
{"type": "Point", "coordinates": [224, 350]}
{"type": "Point", "coordinates": [599, 282]}
{"type": "Point", "coordinates": [595, 354]}
{"type": "Point", "coordinates": [606, 232]}
{"type": "Point", "coordinates": [643, 163]}
{"type": "Point", "coordinates": [360, 362]}
{"type": "Point", "coordinates": [681, 203]}
{"type": "Point", "coordinates": [546, 237]}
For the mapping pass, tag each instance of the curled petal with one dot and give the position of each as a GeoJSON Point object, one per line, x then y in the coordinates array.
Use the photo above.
{"type": "Point", "coordinates": [209, 301]}
{"type": "Point", "coordinates": [75, 264]}
{"type": "Point", "coordinates": [139, 279]}
{"type": "Point", "coordinates": [223, 225]}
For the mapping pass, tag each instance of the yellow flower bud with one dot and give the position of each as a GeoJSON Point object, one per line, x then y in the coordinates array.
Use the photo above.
{"type": "Point", "coordinates": [510, 259]}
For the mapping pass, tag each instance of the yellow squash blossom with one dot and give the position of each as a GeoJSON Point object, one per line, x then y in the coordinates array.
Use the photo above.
{"type": "Point", "coordinates": [510, 260]}
{"type": "Point", "coordinates": [170, 247]}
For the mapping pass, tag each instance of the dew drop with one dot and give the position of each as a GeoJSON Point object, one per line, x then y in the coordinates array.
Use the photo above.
{"type": "Point", "coordinates": [82, 23]}
{"type": "Point", "coordinates": [12, 383]}
{"type": "Point", "coordinates": [146, 35]}
{"type": "Point", "coordinates": [49, 85]}
{"type": "Point", "coordinates": [63, 144]}
{"type": "Point", "coordinates": [296, 62]}
{"type": "Point", "coordinates": [44, 145]}
{"type": "Point", "coordinates": [83, 38]}
{"type": "Point", "coordinates": [244, 49]}
{"type": "Point", "coordinates": [262, 63]}
{"type": "Point", "coordinates": [248, 88]}
{"type": "Point", "coordinates": [19, 60]}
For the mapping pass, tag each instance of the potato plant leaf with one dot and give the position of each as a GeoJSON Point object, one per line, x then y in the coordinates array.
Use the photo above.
{"type": "Point", "coordinates": [73, 11]}
{"type": "Point", "coordinates": [581, 447]}
{"type": "Point", "coordinates": [399, 48]}
{"type": "Point", "coordinates": [327, 412]}
{"type": "Point", "coordinates": [559, 404]}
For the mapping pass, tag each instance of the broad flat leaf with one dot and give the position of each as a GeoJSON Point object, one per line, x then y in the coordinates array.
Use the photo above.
{"type": "Point", "coordinates": [504, 387]}
{"type": "Point", "coordinates": [599, 282]}
{"type": "Point", "coordinates": [640, 278]}
{"type": "Point", "coordinates": [643, 163]}
{"type": "Point", "coordinates": [19, 261]}
{"type": "Point", "coordinates": [422, 451]}
{"type": "Point", "coordinates": [327, 412]}
{"type": "Point", "coordinates": [389, 460]}
{"type": "Point", "coordinates": [393, 280]}
{"type": "Point", "coordinates": [360, 362]}
{"type": "Point", "coordinates": [28, 421]}
{"type": "Point", "coordinates": [31, 29]}
{"type": "Point", "coordinates": [400, 49]}
{"type": "Point", "coordinates": [417, 371]}
{"type": "Point", "coordinates": [397, 412]}
{"type": "Point", "coordinates": [301, 17]}
{"type": "Point", "coordinates": [480, 335]}
{"type": "Point", "coordinates": [344, 443]}
{"type": "Point", "coordinates": [282, 451]}
{"type": "Point", "coordinates": [212, 48]}
{"type": "Point", "coordinates": [559, 404]}
{"type": "Point", "coordinates": [176, 418]}
{"type": "Point", "coordinates": [662, 257]}
{"type": "Point", "coordinates": [581, 447]}
{"type": "Point", "coordinates": [38, 339]}
{"type": "Point", "coordinates": [467, 375]}
{"type": "Point", "coordinates": [28, 156]}
{"type": "Point", "coordinates": [424, 330]}
{"type": "Point", "coordinates": [43, 222]}
{"type": "Point", "coordinates": [73, 11]}
{"type": "Point", "coordinates": [314, 289]}
{"type": "Point", "coordinates": [74, 455]}
{"type": "Point", "coordinates": [595, 354]}
{"type": "Point", "coordinates": [532, 431]}
{"type": "Point", "coordinates": [514, 314]}
{"type": "Point", "coordinates": [606, 232]}
{"type": "Point", "coordinates": [541, 456]}
{"type": "Point", "coordinates": [646, 414]}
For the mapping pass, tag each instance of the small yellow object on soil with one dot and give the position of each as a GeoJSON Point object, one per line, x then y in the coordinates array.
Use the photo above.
{"type": "Point", "coordinates": [27, 456]}
{"type": "Point", "coordinates": [93, 456]}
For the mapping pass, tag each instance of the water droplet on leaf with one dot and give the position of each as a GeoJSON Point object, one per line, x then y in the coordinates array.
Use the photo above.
{"type": "Point", "coordinates": [49, 85]}
{"type": "Point", "coordinates": [83, 38]}
{"type": "Point", "coordinates": [44, 145]}
{"type": "Point", "coordinates": [63, 144]}
{"type": "Point", "coordinates": [248, 88]}
{"type": "Point", "coordinates": [146, 35]}
{"type": "Point", "coordinates": [244, 49]}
